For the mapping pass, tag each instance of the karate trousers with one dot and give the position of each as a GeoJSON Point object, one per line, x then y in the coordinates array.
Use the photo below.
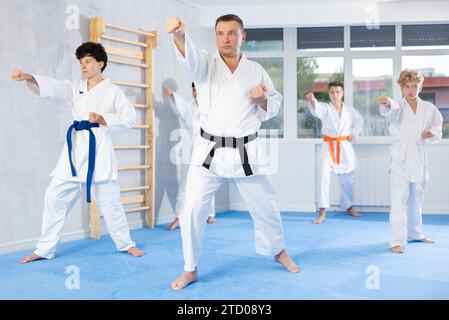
{"type": "Point", "coordinates": [60, 198]}
{"type": "Point", "coordinates": [258, 194]}
{"type": "Point", "coordinates": [181, 197]}
{"type": "Point", "coordinates": [346, 180]}
{"type": "Point", "coordinates": [405, 211]}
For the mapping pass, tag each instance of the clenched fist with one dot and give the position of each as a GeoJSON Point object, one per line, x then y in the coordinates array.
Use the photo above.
{"type": "Point", "coordinates": [384, 101]}
{"type": "Point", "coordinates": [427, 134]}
{"type": "Point", "coordinates": [258, 95]}
{"type": "Point", "coordinates": [174, 25]}
{"type": "Point", "coordinates": [20, 76]}
{"type": "Point", "coordinates": [96, 118]}
{"type": "Point", "coordinates": [310, 96]}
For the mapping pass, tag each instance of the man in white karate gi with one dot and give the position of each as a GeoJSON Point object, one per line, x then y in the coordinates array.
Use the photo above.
{"type": "Point", "coordinates": [190, 117]}
{"type": "Point", "coordinates": [341, 124]}
{"type": "Point", "coordinates": [234, 96]}
{"type": "Point", "coordinates": [414, 123]}
{"type": "Point", "coordinates": [88, 159]}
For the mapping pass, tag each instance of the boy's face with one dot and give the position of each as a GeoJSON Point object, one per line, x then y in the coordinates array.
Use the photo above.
{"type": "Point", "coordinates": [411, 89]}
{"type": "Point", "coordinates": [336, 94]}
{"type": "Point", "coordinates": [229, 37]}
{"type": "Point", "coordinates": [90, 67]}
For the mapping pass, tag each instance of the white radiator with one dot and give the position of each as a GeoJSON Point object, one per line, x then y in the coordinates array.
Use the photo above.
{"type": "Point", "coordinates": [372, 184]}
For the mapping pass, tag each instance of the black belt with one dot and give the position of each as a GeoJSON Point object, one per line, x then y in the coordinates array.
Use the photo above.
{"type": "Point", "coordinates": [230, 142]}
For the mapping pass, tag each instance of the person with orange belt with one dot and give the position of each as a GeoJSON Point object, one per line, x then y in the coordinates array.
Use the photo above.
{"type": "Point", "coordinates": [341, 124]}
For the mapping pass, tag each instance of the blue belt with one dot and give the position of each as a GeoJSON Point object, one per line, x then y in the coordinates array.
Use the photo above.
{"type": "Point", "coordinates": [78, 126]}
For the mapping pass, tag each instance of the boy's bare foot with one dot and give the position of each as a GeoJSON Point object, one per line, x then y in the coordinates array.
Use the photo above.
{"type": "Point", "coordinates": [353, 212]}
{"type": "Point", "coordinates": [211, 220]}
{"type": "Point", "coordinates": [397, 249]}
{"type": "Point", "coordinates": [426, 240]}
{"type": "Point", "coordinates": [186, 278]}
{"type": "Point", "coordinates": [135, 252]}
{"type": "Point", "coordinates": [173, 225]}
{"type": "Point", "coordinates": [30, 258]}
{"type": "Point", "coordinates": [284, 259]}
{"type": "Point", "coordinates": [321, 217]}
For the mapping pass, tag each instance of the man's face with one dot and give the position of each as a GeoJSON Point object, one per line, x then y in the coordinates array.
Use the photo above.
{"type": "Point", "coordinates": [90, 67]}
{"type": "Point", "coordinates": [411, 89]}
{"type": "Point", "coordinates": [194, 93]}
{"type": "Point", "coordinates": [336, 94]}
{"type": "Point", "coordinates": [229, 37]}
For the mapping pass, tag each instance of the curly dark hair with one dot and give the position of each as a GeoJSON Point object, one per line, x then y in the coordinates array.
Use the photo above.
{"type": "Point", "coordinates": [94, 50]}
{"type": "Point", "coordinates": [336, 84]}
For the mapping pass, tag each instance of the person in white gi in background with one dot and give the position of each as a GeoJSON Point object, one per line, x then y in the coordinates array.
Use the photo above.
{"type": "Point", "coordinates": [341, 124]}
{"type": "Point", "coordinates": [414, 123]}
{"type": "Point", "coordinates": [189, 114]}
{"type": "Point", "coordinates": [99, 108]}
{"type": "Point", "coordinates": [234, 96]}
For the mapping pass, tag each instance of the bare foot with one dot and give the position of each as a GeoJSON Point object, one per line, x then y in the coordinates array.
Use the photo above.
{"type": "Point", "coordinates": [353, 212]}
{"type": "Point", "coordinates": [284, 259]}
{"type": "Point", "coordinates": [426, 240]}
{"type": "Point", "coordinates": [397, 249]}
{"type": "Point", "coordinates": [211, 220]}
{"type": "Point", "coordinates": [30, 258]}
{"type": "Point", "coordinates": [173, 225]}
{"type": "Point", "coordinates": [135, 252]}
{"type": "Point", "coordinates": [186, 278]}
{"type": "Point", "coordinates": [321, 217]}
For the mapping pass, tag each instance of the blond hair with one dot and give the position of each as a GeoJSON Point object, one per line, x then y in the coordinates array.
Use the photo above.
{"type": "Point", "coordinates": [410, 75]}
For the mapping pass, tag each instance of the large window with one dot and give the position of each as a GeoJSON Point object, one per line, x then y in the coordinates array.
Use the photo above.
{"type": "Point", "coordinates": [314, 74]}
{"type": "Point", "coordinates": [368, 60]}
{"type": "Point", "coordinates": [371, 78]}
{"type": "Point", "coordinates": [435, 69]}
{"type": "Point", "coordinates": [266, 46]}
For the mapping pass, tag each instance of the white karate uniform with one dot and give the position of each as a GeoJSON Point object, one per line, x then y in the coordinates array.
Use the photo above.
{"type": "Point", "coordinates": [335, 126]}
{"type": "Point", "coordinates": [226, 110]}
{"type": "Point", "coordinates": [190, 116]}
{"type": "Point", "coordinates": [64, 190]}
{"type": "Point", "coordinates": [409, 166]}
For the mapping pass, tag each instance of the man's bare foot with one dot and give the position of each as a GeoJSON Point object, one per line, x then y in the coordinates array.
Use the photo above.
{"type": "Point", "coordinates": [284, 259]}
{"type": "Point", "coordinates": [30, 258]}
{"type": "Point", "coordinates": [186, 278]}
{"type": "Point", "coordinates": [135, 252]}
{"type": "Point", "coordinates": [397, 249]}
{"type": "Point", "coordinates": [321, 217]}
{"type": "Point", "coordinates": [173, 225]}
{"type": "Point", "coordinates": [211, 220]}
{"type": "Point", "coordinates": [426, 240]}
{"type": "Point", "coordinates": [353, 212]}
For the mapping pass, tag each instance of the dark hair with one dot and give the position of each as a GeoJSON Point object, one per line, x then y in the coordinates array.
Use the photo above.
{"type": "Point", "coordinates": [229, 17]}
{"type": "Point", "coordinates": [193, 85]}
{"type": "Point", "coordinates": [336, 84]}
{"type": "Point", "coordinates": [94, 50]}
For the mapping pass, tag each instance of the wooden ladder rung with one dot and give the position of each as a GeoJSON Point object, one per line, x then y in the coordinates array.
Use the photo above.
{"type": "Point", "coordinates": [141, 126]}
{"type": "Point", "coordinates": [136, 209]}
{"type": "Point", "coordinates": [133, 199]}
{"type": "Point", "coordinates": [131, 63]}
{"type": "Point", "coordinates": [122, 52]}
{"type": "Point", "coordinates": [131, 147]}
{"type": "Point", "coordinates": [130, 84]}
{"type": "Point", "coordinates": [133, 168]}
{"type": "Point", "coordinates": [140, 188]}
{"type": "Point", "coordinates": [119, 27]}
{"type": "Point", "coordinates": [135, 43]}
{"type": "Point", "coordinates": [140, 105]}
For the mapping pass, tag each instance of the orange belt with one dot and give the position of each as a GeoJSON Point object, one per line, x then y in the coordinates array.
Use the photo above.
{"type": "Point", "coordinates": [331, 140]}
